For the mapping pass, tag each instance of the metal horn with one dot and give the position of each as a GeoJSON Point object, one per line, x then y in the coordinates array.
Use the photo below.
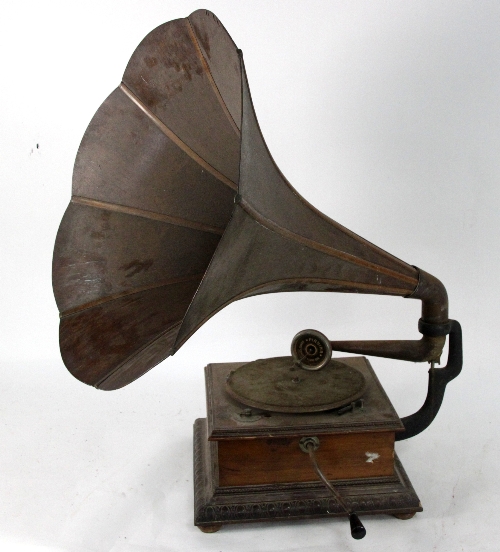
{"type": "Point", "coordinates": [178, 209]}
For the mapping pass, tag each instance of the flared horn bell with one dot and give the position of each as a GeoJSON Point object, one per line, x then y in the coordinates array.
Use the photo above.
{"type": "Point", "coordinates": [178, 209]}
{"type": "Point", "coordinates": [276, 241]}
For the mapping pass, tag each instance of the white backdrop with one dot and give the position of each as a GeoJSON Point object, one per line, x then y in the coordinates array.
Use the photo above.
{"type": "Point", "coordinates": [383, 114]}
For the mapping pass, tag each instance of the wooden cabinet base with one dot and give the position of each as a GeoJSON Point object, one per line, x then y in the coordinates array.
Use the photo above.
{"type": "Point", "coordinates": [249, 464]}
{"type": "Point", "coordinates": [215, 506]}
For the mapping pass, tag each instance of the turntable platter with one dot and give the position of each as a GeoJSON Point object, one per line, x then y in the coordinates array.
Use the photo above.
{"type": "Point", "coordinates": [278, 385]}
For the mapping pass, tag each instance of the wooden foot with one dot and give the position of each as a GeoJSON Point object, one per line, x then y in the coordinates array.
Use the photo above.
{"type": "Point", "coordinates": [404, 516]}
{"type": "Point", "coordinates": [210, 528]}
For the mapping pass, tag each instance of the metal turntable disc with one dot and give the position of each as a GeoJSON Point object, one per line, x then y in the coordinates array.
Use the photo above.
{"type": "Point", "coordinates": [278, 385]}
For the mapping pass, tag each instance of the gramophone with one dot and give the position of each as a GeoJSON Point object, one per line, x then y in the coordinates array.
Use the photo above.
{"type": "Point", "coordinates": [177, 210]}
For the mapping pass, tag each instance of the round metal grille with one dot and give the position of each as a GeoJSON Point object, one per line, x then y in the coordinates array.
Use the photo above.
{"type": "Point", "coordinates": [311, 350]}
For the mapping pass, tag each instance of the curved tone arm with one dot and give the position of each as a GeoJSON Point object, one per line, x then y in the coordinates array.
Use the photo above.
{"type": "Point", "coordinates": [434, 325]}
{"type": "Point", "coordinates": [438, 379]}
{"type": "Point", "coordinates": [425, 349]}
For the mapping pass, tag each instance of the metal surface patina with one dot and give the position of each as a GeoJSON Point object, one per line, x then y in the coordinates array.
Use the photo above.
{"type": "Point", "coordinates": [178, 209]}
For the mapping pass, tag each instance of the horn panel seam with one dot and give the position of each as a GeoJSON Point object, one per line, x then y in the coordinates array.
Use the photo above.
{"type": "Point", "coordinates": [208, 72]}
{"type": "Point", "coordinates": [119, 295]}
{"type": "Point", "coordinates": [249, 292]}
{"type": "Point", "coordinates": [138, 352]}
{"type": "Point", "coordinates": [267, 223]}
{"type": "Point", "coordinates": [175, 139]}
{"type": "Point", "coordinates": [304, 202]}
{"type": "Point", "coordinates": [152, 215]}
{"type": "Point", "coordinates": [346, 231]}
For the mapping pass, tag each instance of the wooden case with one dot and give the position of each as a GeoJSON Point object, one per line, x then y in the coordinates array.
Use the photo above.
{"type": "Point", "coordinates": [248, 465]}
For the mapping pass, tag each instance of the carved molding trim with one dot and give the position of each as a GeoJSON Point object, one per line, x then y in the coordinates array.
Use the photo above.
{"type": "Point", "coordinates": [272, 502]}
